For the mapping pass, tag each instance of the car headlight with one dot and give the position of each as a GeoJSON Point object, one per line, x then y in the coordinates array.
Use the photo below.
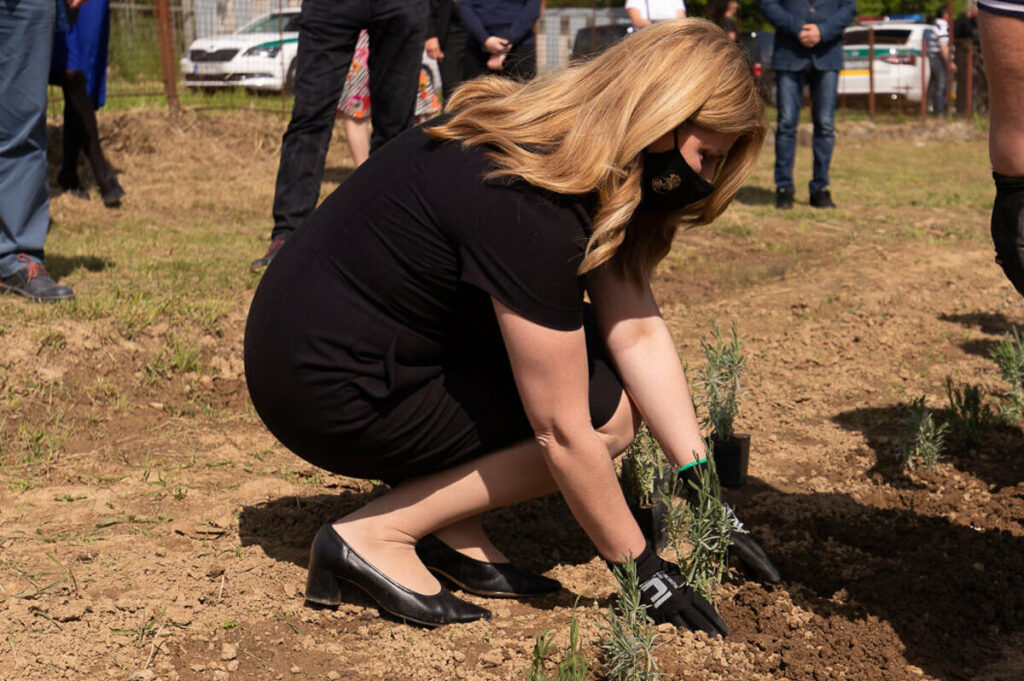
{"type": "Point", "coordinates": [263, 51]}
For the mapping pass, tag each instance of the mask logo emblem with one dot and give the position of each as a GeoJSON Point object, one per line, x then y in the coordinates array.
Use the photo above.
{"type": "Point", "coordinates": [666, 183]}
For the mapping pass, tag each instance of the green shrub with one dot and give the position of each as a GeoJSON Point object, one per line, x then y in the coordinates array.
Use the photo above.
{"type": "Point", "coordinates": [720, 380]}
{"type": "Point", "coordinates": [641, 466]}
{"type": "Point", "coordinates": [1009, 357]}
{"type": "Point", "coordinates": [629, 643]}
{"type": "Point", "coordinates": [969, 415]}
{"type": "Point", "coordinates": [921, 439]}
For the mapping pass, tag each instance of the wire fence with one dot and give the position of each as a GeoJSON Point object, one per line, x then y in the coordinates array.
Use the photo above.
{"type": "Point", "coordinates": [241, 54]}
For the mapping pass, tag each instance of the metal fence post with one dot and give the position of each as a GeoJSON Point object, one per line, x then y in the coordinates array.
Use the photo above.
{"type": "Point", "coordinates": [871, 72]}
{"type": "Point", "coordinates": [924, 78]}
{"type": "Point", "coordinates": [165, 37]}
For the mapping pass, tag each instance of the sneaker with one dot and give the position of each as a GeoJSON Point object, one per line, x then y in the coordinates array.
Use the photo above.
{"type": "Point", "coordinates": [784, 197]}
{"type": "Point", "coordinates": [34, 283]}
{"type": "Point", "coordinates": [272, 251]}
{"type": "Point", "coordinates": [822, 199]}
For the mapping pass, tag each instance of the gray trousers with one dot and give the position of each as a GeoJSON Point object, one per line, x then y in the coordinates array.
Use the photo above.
{"type": "Point", "coordinates": [26, 40]}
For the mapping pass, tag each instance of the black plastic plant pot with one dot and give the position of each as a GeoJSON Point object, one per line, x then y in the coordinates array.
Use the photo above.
{"type": "Point", "coordinates": [649, 520]}
{"type": "Point", "coordinates": [732, 455]}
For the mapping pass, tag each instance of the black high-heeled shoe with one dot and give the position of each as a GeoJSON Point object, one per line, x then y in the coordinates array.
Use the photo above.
{"type": "Point", "coordinates": [504, 580]}
{"type": "Point", "coordinates": [332, 563]}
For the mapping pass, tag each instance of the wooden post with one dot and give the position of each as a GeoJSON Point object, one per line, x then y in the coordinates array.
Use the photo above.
{"type": "Point", "coordinates": [949, 59]}
{"type": "Point", "coordinates": [165, 37]}
{"type": "Point", "coordinates": [871, 72]}
{"type": "Point", "coordinates": [924, 78]}
{"type": "Point", "coordinates": [969, 108]}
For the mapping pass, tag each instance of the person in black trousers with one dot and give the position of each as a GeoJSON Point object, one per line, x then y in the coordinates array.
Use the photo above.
{"type": "Point", "coordinates": [328, 32]}
{"type": "Point", "coordinates": [446, 42]}
{"type": "Point", "coordinates": [502, 41]}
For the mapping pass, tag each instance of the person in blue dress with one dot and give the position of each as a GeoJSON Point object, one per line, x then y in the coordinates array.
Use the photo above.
{"type": "Point", "coordinates": [79, 66]}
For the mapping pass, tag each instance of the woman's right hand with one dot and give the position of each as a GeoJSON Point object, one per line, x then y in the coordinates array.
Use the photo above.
{"type": "Point", "coordinates": [433, 48]}
{"type": "Point", "coordinates": [496, 45]}
{"type": "Point", "coordinates": [668, 599]}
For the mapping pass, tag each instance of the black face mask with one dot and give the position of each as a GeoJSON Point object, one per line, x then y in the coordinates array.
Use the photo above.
{"type": "Point", "coordinates": [669, 183]}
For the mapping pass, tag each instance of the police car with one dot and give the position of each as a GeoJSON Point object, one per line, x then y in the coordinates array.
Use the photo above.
{"type": "Point", "coordinates": [899, 58]}
{"type": "Point", "coordinates": [259, 56]}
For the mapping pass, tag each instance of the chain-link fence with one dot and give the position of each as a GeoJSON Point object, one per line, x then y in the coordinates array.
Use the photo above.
{"type": "Point", "coordinates": [241, 54]}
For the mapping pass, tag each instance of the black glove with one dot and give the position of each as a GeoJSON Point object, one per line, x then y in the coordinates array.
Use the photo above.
{"type": "Point", "coordinates": [668, 599]}
{"type": "Point", "coordinates": [1008, 227]}
{"type": "Point", "coordinates": [747, 551]}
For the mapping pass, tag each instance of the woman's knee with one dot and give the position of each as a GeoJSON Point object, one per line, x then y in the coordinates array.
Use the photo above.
{"type": "Point", "coordinates": [618, 432]}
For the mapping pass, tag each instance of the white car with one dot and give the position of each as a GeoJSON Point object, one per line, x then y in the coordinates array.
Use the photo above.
{"type": "Point", "coordinates": [898, 63]}
{"type": "Point", "coordinates": [259, 56]}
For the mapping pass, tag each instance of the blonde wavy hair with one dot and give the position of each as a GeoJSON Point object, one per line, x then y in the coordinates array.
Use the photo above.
{"type": "Point", "coordinates": [583, 129]}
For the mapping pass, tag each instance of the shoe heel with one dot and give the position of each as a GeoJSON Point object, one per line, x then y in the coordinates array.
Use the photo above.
{"type": "Point", "coordinates": [321, 585]}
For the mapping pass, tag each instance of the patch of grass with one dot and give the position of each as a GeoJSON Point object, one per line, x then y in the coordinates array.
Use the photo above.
{"type": "Point", "coordinates": [921, 438]}
{"type": "Point", "coordinates": [573, 668]}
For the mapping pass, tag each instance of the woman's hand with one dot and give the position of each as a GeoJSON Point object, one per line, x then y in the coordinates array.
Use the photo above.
{"type": "Point", "coordinates": [433, 48]}
{"type": "Point", "coordinates": [496, 45]}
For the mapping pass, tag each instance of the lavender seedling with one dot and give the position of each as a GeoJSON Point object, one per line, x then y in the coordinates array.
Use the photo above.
{"type": "Point", "coordinates": [921, 439]}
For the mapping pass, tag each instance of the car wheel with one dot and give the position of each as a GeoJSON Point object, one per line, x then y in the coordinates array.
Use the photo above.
{"type": "Point", "coordinates": [289, 79]}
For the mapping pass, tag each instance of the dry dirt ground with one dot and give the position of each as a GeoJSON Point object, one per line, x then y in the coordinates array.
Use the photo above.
{"type": "Point", "coordinates": [150, 528]}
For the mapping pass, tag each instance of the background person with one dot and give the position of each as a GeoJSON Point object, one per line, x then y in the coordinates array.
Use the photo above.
{"type": "Point", "coordinates": [725, 14]}
{"type": "Point", "coordinates": [965, 34]}
{"type": "Point", "coordinates": [502, 40]}
{"type": "Point", "coordinates": [938, 57]}
{"type": "Point", "coordinates": [808, 50]}
{"type": "Point", "coordinates": [427, 326]}
{"type": "Point", "coordinates": [79, 67]}
{"type": "Point", "coordinates": [26, 40]}
{"type": "Point", "coordinates": [328, 33]}
{"type": "Point", "coordinates": [646, 12]}
{"type": "Point", "coordinates": [1001, 23]}
{"type": "Point", "coordinates": [446, 43]}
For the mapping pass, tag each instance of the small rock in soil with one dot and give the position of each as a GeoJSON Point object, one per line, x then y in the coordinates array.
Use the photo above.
{"type": "Point", "coordinates": [228, 652]}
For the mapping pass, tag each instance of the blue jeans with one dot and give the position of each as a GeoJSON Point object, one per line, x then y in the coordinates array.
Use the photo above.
{"type": "Point", "coordinates": [824, 93]}
{"type": "Point", "coordinates": [26, 40]}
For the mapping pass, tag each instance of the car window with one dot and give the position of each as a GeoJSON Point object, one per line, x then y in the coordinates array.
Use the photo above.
{"type": "Point", "coordinates": [883, 36]}
{"type": "Point", "coordinates": [272, 23]}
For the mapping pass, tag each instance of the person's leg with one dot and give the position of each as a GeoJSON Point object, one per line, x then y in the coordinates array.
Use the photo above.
{"type": "Point", "coordinates": [397, 32]}
{"type": "Point", "coordinates": [789, 93]}
{"type": "Point", "coordinates": [385, 531]}
{"type": "Point", "coordinates": [824, 94]}
{"type": "Point", "coordinates": [327, 40]}
{"type": "Point", "coordinates": [357, 135]}
{"type": "Point", "coordinates": [87, 136]}
{"type": "Point", "coordinates": [26, 37]}
{"type": "Point", "coordinates": [934, 65]}
{"type": "Point", "coordinates": [452, 66]}
{"type": "Point", "coordinates": [1002, 42]}
{"type": "Point", "coordinates": [71, 144]}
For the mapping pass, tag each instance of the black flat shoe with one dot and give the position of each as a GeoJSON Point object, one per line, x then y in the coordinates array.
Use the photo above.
{"type": "Point", "coordinates": [332, 563]}
{"type": "Point", "coordinates": [479, 577]}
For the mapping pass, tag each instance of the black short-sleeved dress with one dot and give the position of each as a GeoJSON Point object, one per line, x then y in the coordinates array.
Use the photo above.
{"type": "Point", "coordinates": [372, 348]}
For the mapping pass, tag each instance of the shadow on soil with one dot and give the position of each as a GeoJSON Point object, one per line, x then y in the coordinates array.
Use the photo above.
{"type": "Point", "coordinates": [996, 460]}
{"type": "Point", "coordinates": [60, 266]}
{"type": "Point", "coordinates": [755, 196]}
{"type": "Point", "coordinates": [537, 534]}
{"type": "Point", "coordinates": [987, 322]}
{"type": "Point", "coordinates": [953, 596]}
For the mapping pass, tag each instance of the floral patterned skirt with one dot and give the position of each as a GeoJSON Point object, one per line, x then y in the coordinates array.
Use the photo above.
{"type": "Point", "coordinates": [355, 97]}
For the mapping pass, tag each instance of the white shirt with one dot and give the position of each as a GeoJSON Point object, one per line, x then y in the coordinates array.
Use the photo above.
{"type": "Point", "coordinates": [657, 10]}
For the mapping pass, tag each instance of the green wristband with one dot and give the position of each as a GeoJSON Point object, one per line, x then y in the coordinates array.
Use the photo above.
{"type": "Point", "coordinates": [692, 464]}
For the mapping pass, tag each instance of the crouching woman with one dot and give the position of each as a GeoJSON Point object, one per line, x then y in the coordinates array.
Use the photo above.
{"type": "Point", "coordinates": [427, 325]}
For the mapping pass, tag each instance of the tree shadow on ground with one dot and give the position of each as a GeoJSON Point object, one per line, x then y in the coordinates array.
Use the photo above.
{"type": "Point", "coordinates": [337, 175]}
{"type": "Point", "coordinates": [952, 594]}
{"type": "Point", "coordinates": [60, 266]}
{"type": "Point", "coordinates": [755, 196]}
{"type": "Point", "coordinates": [995, 460]}
{"type": "Point", "coordinates": [537, 534]}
